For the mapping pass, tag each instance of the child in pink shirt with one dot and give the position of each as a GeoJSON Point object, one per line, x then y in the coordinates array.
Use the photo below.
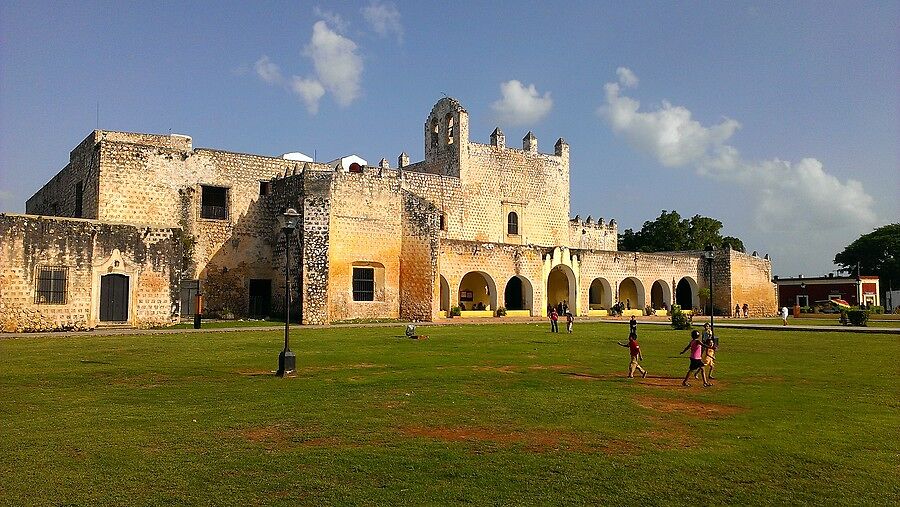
{"type": "Point", "coordinates": [696, 347]}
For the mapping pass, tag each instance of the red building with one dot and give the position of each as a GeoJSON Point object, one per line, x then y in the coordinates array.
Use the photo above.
{"type": "Point", "coordinates": [803, 291]}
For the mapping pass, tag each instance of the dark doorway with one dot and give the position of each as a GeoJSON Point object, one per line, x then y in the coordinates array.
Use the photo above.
{"type": "Point", "coordinates": [189, 289]}
{"type": "Point", "coordinates": [114, 298]}
{"type": "Point", "coordinates": [513, 295]}
{"type": "Point", "coordinates": [684, 296]}
{"type": "Point", "coordinates": [260, 298]}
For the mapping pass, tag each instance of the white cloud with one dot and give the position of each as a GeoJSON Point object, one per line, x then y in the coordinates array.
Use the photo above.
{"type": "Point", "coordinates": [334, 19]}
{"type": "Point", "coordinates": [626, 77]}
{"type": "Point", "coordinates": [310, 91]}
{"type": "Point", "coordinates": [338, 66]}
{"type": "Point", "coordinates": [338, 69]}
{"type": "Point", "coordinates": [268, 71]}
{"type": "Point", "coordinates": [384, 19]}
{"type": "Point", "coordinates": [521, 105]}
{"type": "Point", "coordinates": [797, 203]}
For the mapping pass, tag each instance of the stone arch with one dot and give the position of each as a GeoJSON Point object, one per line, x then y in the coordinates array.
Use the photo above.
{"type": "Point", "coordinates": [561, 287]}
{"type": "Point", "coordinates": [477, 289]}
{"type": "Point", "coordinates": [451, 131]}
{"type": "Point", "coordinates": [631, 292]}
{"type": "Point", "coordinates": [687, 294]}
{"type": "Point", "coordinates": [435, 132]}
{"type": "Point", "coordinates": [600, 294]}
{"type": "Point", "coordinates": [660, 295]}
{"type": "Point", "coordinates": [445, 295]}
{"type": "Point", "coordinates": [518, 294]}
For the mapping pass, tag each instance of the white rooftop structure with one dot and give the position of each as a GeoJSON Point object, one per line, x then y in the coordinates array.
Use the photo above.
{"type": "Point", "coordinates": [297, 157]}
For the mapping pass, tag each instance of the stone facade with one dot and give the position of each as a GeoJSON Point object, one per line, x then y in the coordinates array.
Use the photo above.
{"type": "Point", "coordinates": [78, 255]}
{"type": "Point", "coordinates": [480, 226]}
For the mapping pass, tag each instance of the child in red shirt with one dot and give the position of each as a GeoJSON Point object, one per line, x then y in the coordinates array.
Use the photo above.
{"type": "Point", "coordinates": [636, 356]}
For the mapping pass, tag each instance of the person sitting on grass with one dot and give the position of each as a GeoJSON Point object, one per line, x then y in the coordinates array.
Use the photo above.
{"type": "Point", "coordinates": [696, 347]}
{"type": "Point", "coordinates": [636, 356]}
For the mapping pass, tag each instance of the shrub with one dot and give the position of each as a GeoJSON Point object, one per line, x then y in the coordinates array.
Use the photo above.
{"type": "Point", "coordinates": [501, 312]}
{"type": "Point", "coordinates": [679, 318]}
{"type": "Point", "coordinates": [455, 311]}
{"type": "Point", "coordinates": [858, 317]}
{"type": "Point", "coordinates": [877, 310]}
{"type": "Point", "coordinates": [806, 309]}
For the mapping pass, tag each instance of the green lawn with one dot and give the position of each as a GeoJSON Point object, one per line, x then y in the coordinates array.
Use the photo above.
{"type": "Point", "coordinates": [822, 321]}
{"type": "Point", "coordinates": [483, 414]}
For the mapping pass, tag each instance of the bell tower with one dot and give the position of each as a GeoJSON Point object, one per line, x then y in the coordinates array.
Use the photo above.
{"type": "Point", "coordinates": [446, 132]}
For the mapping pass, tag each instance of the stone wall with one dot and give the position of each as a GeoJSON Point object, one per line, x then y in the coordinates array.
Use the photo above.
{"type": "Point", "coordinates": [419, 259]}
{"type": "Point", "coordinates": [750, 282]}
{"type": "Point", "coordinates": [58, 196]}
{"type": "Point", "coordinates": [590, 235]}
{"type": "Point", "coordinates": [86, 249]}
{"type": "Point", "coordinates": [365, 231]}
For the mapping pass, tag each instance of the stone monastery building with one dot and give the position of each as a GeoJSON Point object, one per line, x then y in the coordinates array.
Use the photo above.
{"type": "Point", "coordinates": [135, 223]}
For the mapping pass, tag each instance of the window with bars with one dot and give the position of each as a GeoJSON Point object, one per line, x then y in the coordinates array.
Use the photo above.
{"type": "Point", "coordinates": [214, 203]}
{"type": "Point", "coordinates": [51, 286]}
{"type": "Point", "coordinates": [363, 284]}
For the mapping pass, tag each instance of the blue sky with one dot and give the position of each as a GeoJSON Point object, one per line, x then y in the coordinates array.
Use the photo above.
{"type": "Point", "coordinates": [780, 119]}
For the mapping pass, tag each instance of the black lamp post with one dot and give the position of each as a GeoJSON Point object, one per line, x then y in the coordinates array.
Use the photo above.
{"type": "Point", "coordinates": [287, 360]}
{"type": "Point", "coordinates": [709, 255]}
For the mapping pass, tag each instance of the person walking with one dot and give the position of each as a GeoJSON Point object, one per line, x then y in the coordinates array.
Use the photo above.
{"type": "Point", "coordinates": [737, 310]}
{"type": "Point", "coordinates": [784, 315]}
{"type": "Point", "coordinates": [746, 310]}
{"type": "Point", "coordinates": [710, 345]}
{"type": "Point", "coordinates": [632, 326]}
{"type": "Point", "coordinates": [636, 356]}
{"type": "Point", "coordinates": [554, 325]}
{"type": "Point", "coordinates": [696, 348]}
{"type": "Point", "coordinates": [570, 322]}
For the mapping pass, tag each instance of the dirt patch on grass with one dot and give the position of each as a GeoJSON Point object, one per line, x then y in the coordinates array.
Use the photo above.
{"type": "Point", "coordinates": [531, 440]}
{"type": "Point", "coordinates": [694, 408]}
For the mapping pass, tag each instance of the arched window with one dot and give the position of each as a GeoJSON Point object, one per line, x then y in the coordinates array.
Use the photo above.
{"type": "Point", "coordinates": [450, 130]}
{"type": "Point", "coordinates": [512, 223]}
{"type": "Point", "coordinates": [435, 128]}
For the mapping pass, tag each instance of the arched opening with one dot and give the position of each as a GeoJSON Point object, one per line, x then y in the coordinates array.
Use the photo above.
{"type": "Point", "coordinates": [512, 223]}
{"type": "Point", "coordinates": [450, 130]}
{"type": "Point", "coordinates": [518, 294]}
{"type": "Point", "coordinates": [561, 288]}
{"type": "Point", "coordinates": [435, 132]}
{"type": "Point", "coordinates": [600, 295]}
{"type": "Point", "coordinates": [631, 292]}
{"type": "Point", "coordinates": [477, 291]}
{"type": "Point", "coordinates": [660, 295]}
{"type": "Point", "coordinates": [445, 295]}
{"type": "Point", "coordinates": [686, 294]}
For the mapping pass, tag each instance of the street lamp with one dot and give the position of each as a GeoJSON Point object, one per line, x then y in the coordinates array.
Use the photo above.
{"type": "Point", "coordinates": [709, 255]}
{"type": "Point", "coordinates": [287, 360]}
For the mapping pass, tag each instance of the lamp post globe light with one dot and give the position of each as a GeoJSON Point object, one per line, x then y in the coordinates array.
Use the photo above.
{"type": "Point", "coordinates": [287, 360]}
{"type": "Point", "coordinates": [709, 254]}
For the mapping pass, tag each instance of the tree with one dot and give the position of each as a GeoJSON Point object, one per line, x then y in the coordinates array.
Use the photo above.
{"type": "Point", "coordinates": [671, 233]}
{"type": "Point", "coordinates": [875, 253]}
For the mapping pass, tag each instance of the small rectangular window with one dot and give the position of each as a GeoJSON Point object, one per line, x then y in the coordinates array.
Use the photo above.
{"type": "Point", "coordinates": [51, 286]}
{"type": "Point", "coordinates": [363, 284]}
{"type": "Point", "coordinates": [214, 203]}
{"type": "Point", "coordinates": [79, 199]}
{"type": "Point", "coordinates": [442, 222]}
{"type": "Point", "coordinates": [265, 188]}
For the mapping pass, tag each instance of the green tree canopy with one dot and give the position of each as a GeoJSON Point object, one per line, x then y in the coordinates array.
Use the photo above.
{"type": "Point", "coordinates": [876, 253]}
{"type": "Point", "coordinates": [671, 233]}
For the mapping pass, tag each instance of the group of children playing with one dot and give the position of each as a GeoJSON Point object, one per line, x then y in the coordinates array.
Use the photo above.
{"type": "Point", "coordinates": [703, 354]}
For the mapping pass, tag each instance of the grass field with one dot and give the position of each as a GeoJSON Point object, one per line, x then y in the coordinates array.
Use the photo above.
{"type": "Point", "coordinates": [485, 414]}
